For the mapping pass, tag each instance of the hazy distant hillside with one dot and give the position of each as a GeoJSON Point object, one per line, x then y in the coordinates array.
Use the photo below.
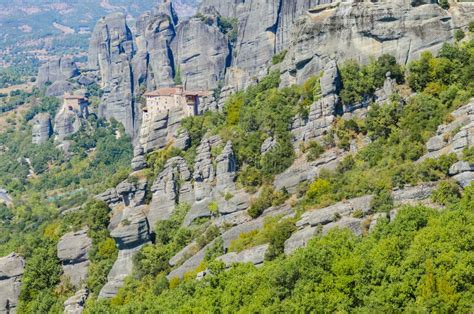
{"type": "Point", "coordinates": [63, 26]}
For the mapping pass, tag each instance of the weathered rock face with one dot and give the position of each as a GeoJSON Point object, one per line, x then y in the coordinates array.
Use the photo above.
{"type": "Point", "coordinates": [256, 41]}
{"type": "Point", "coordinates": [123, 267]}
{"type": "Point", "coordinates": [323, 112]}
{"type": "Point", "coordinates": [462, 172]}
{"type": "Point", "coordinates": [302, 170]}
{"type": "Point", "coordinates": [131, 232]}
{"type": "Point", "coordinates": [227, 236]}
{"type": "Point", "coordinates": [58, 88]}
{"type": "Point", "coordinates": [133, 229]}
{"type": "Point", "coordinates": [203, 176]}
{"type": "Point", "coordinates": [11, 270]}
{"type": "Point", "coordinates": [255, 255]}
{"type": "Point", "coordinates": [76, 303]}
{"type": "Point", "coordinates": [111, 51]}
{"type": "Point", "coordinates": [153, 63]}
{"type": "Point", "coordinates": [53, 71]}
{"type": "Point", "coordinates": [68, 121]}
{"type": "Point", "coordinates": [159, 128]}
{"type": "Point", "coordinates": [320, 221]}
{"type": "Point", "coordinates": [413, 194]}
{"type": "Point", "coordinates": [330, 214]}
{"type": "Point", "coordinates": [42, 128]}
{"type": "Point", "coordinates": [126, 193]}
{"type": "Point", "coordinates": [73, 250]}
{"type": "Point", "coordinates": [201, 52]}
{"type": "Point", "coordinates": [360, 30]}
{"type": "Point", "coordinates": [167, 190]}
{"type": "Point", "coordinates": [455, 136]}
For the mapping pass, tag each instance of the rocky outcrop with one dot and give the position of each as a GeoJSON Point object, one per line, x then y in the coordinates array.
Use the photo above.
{"type": "Point", "coordinates": [201, 52]}
{"type": "Point", "coordinates": [455, 136]}
{"type": "Point", "coordinates": [130, 192]}
{"type": "Point", "coordinates": [383, 94]}
{"type": "Point", "coordinates": [413, 194]}
{"type": "Point", "coordinates": [203, 176]}
{"type": "Point", "coordinates": [323, 112]}
{"type": "Point", "coordinates": [59, 88]}
{"type": "Point", "coordinates": [354, 214]}
{"type": "Point", "coordinates": [255, 255]}
{"type": "Point", "coordinates": [11, 270]}
{"type": "Point", "coordinates": [133, 229]}
{"type": "Point", "coordinates": [320, 221]}
{"type": "Point", "coordinates": [304, 171]}
{"type": "Point", "coordinates": [5, 197]}
{"type": "Point", "coordinates": [160, 128]}
{"type": "Point", "coordinates": [111, 51]}
{"type": "Point", "coordinates": [42, 128]}
{"type": "Point", "coordinates": [76, 303]}
{"type": "Point", "coordinates": [153, 62]}
{"type": "Point", "coordinates": [122, 268]}
{"type": "Point", "coordinates": [171, 187]}
{"type": "Point", "coordinates": [138, 161]}
{"type": "Point", "coordinates": [227, 237]}
{"type": "Point", "coordinates": [462, 172]}
{"type": "Point", "coordinates": [362, 29]}
{"type": "Point", "coordinates": [130, 233]}
{"type": "Point", "coordinates": [57, 70]}
{"type": "Point", "coordinates": [68, 121]}
{"type": "Point", "coordinates": [330, 214]}
{"type": "Point", "coordinates": [73, 250]}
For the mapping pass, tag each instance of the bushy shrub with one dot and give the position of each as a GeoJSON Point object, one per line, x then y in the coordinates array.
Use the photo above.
{"type": "Point", "coordinates": [382, 202]}
{"type": "Point", "coordinates": [282, 232]}
{"type": "Point", "coordinates": [268, 197]}
{"type": "Point", "coordinates": [279, 57]}
{"type": "Point", "coordinates": [447, 192]}
{"type": "Point", "coordinates": [314, 151]}
{"type": "Point", "coordinates": [318, 190]}
{"type": "Point", "coordinates": [459, 35]}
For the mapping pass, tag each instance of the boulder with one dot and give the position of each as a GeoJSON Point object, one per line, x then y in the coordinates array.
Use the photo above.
{"type": "Point", "coordinates": [460, 167]}
{"type": "Point", "coordinates": [132, 192]}
{"type": "Point", "coordinates": [133, 229]}
{"type": "Point", "coordinates": [304, 171]}
{"type": "Point", "coordinates": [299, 239]}
{"type": "Point", "coordinates": [464, 179]}
{"type": "Point", "coordinates": [255, 255]}
{"type": "Point", "coordinates": [73, 249]}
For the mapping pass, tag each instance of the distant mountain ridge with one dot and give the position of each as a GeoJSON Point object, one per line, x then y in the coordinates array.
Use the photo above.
{"type": "Point", "coordinates": [62, 26]}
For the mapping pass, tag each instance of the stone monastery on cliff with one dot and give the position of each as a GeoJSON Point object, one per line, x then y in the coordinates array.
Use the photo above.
{"type": "Point", "coordinates": [174, 98]}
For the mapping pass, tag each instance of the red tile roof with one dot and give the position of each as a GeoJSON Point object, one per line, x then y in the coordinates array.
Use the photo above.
{"type": "Point", "coordinates": [171, 91]}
